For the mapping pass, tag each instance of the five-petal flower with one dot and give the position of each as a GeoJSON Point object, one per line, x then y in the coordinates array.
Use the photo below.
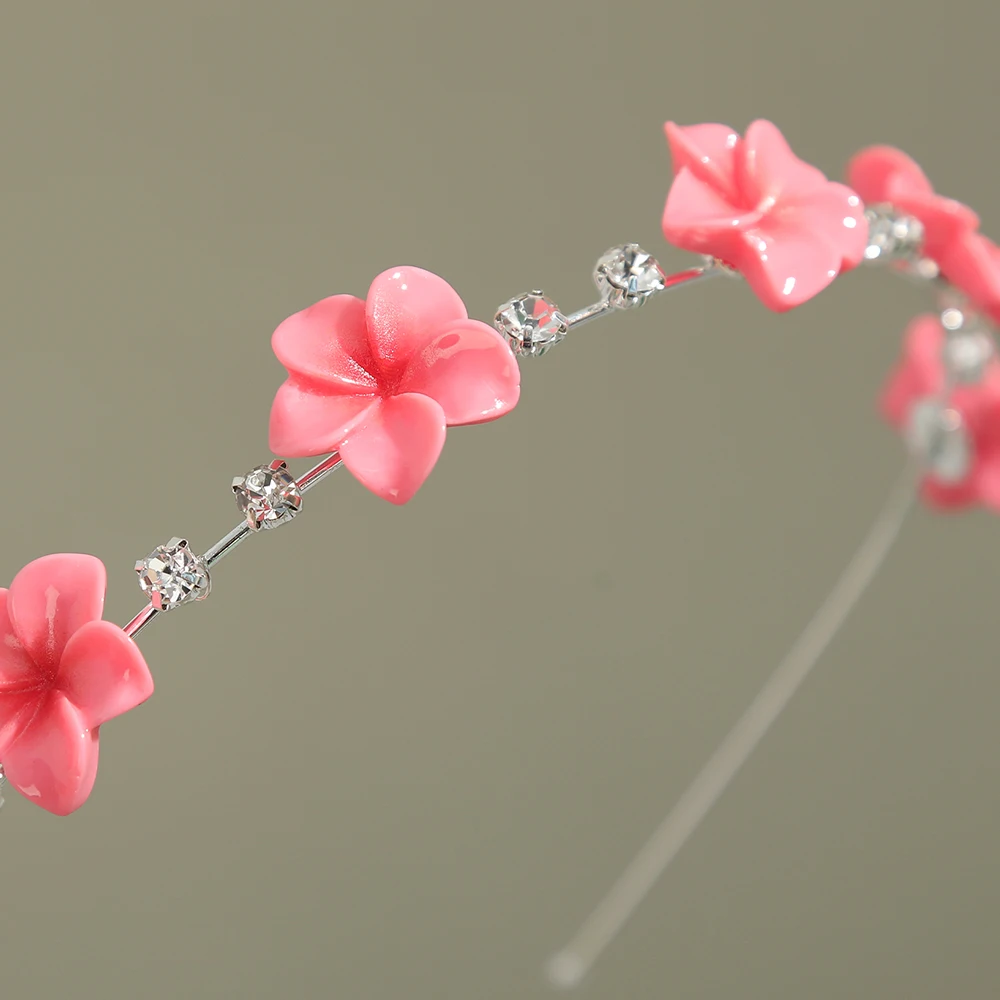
{"type": "Point", "coordinates": [963, 466]}
{"type": "Point", "coordinates": [379, 379]}
{"type": "Point", "coordinates": [63, 673]}
{"type": "Point", "coordinates": [751, 203]}
{"type": "Point", "coordinates": [883, 175]}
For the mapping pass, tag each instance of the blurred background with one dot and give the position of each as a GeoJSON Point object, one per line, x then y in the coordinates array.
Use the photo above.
{"type": "Point", "coordinates": [401, 752]}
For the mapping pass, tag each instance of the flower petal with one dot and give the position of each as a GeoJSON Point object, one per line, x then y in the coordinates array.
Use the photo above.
{"type": "Point", "coordinates": [406, 308]}
{"type": "Point", "coordinates": [328, 343]}
{"type": "Point", "coordinates": [835, 213]}
{"type": "Point", "coordinates": [306, 420]}
{"type": "Point", "coordinates": [881, 174]}
{"type": "Point", "coordinates": [946, 223]}
{"type": "Point", "coordinates": [979, 405]}
{"type": "Point", "coordinates": [17, 669]}
{"type": "Point", "coordinates": [17, 709]}
{"type": "Point", "coordinates": [394, 449]}
{"type": "Point", "coordinates": [799, 249]}
{"type": "Point", "coordinates": [767, 169]}
{"type": "Point", "coordinates": [103, 673]}
{"type": "Point", "coordinates": [54, 762]}
{"type": "Point", "coordinates": [469, 370]}
{"type": "Point", "coordinates": [949, 496]}
{"type": "Point", "coordinates": [699, 219]}
{"type": "Point", "coordinates": [50, 599]}
{"type": "Point", "coordinates": [987, 482]}
{"type": "Point", "coordinates": [709, 152]}
{"type": "Point", "coordinates": [918, 373]}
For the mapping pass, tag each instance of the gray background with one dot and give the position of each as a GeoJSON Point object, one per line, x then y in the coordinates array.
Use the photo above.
{"type": "Point", "coordinates": [401, 752]}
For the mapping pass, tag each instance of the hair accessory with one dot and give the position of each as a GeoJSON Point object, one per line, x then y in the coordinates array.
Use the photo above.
{"type": "Point", "coordinates": [373, 384]}
{"type": "Point", "coordinates": [941, 397]}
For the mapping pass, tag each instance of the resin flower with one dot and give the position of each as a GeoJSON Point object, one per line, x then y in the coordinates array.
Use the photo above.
{"type": "Point", "coordinates": [883, 175]}
{"type": "Point", "coordinates": [63, 673]}
{"type": "Point", "coordinates": [753, 204]}
{"type": "Point", "coordinates": [958, 438]}
{"type": "Point", "coordinates": [379, 379]}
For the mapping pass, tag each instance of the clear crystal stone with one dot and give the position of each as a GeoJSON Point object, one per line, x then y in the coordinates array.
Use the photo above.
{"type": "Point", "coordinates": [966, 354]}
{"type": "Point", "coordinates": [267, 495]}
{"type": "Point", "coordinates": [626, 276]}
{"type": "Point", "coordinates": [531, 324]}
{"type": "Point", "coordinates": [937, 435]}
{"type": "Point", "coordinates": [172, 575]}
{"type": "Point", "coordinates": [892, 236]}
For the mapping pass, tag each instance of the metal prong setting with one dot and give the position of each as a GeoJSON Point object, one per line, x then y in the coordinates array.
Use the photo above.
{"type": "Point", "coordinates": [892, 236]}
{"type": "Point", "coordinates": [626, 276]}
{"type": "Point", "coordinates": [267, 496]}
{"type": "Point", "coordinates": [531, 324]}
{"type": "Point", "coordinates": [172, 575]}
{"type": "Point", "coordinates": [968, 344]}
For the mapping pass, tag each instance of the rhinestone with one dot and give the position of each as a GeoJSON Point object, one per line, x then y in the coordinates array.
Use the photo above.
{"type": "Point", "coordinates": [531, 324]}
{"type": "Point", "coordinates": [966, 355]}
{"type": "Point", "coordinates": [892, 236]}
{"type": "Point", "coordinates": [937, 435]}
{"type": "Point", "coordinates": [952, 318]}
{"type": "Point", "coordinates": [172, 575]}
{"type": "Point", "coordinates": [267, 496]}
{"type": "Point", "coordinates": [626, 276]}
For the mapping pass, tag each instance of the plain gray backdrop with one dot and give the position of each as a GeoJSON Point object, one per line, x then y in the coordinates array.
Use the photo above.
{"type": "Point", "coordinates": [400, 752]}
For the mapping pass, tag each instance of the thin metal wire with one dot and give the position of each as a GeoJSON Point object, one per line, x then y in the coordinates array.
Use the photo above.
{"type": "Point", "coordinates": [567, 968]}
{"type": "Point", "coordinates": [670, 281]}
{"type": "Point", "coordinates": [240, 533]}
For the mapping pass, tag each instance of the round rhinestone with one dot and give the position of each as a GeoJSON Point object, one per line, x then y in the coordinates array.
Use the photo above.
{"type": "Point", "coordinates": [172, 575]}
{"type": "Point", "coordinates": [626, 276]}
{"type": "Point", "coordinates": [267, 495]}
{"type": "Point", "coordinates": [531, 324]}
{"type": "Point", "coordinates": [937, 435]}
{"type": "Point", "coordinates": [892, 236]}
{"type": "Point", "coordinates": [966, 355]}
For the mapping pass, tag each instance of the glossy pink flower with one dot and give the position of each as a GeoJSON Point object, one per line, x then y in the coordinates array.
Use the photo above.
{"type": "Point", "coordinates": [756, 206]}
{"type": "Point", "coordinates": [916, 383]}
{"type": "Point", "coordinates": [380, 379]}
{"type": "Point", "coordinates": [63, 673]}
{"type": "Point", "coordinates": [883, 175]}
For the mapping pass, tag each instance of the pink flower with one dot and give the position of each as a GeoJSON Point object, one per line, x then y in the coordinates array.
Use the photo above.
{"type": "Point", "coordinates": [918, 381]}
{"type": "Point", "coordinates": [63, 673]}
{"type": "Point", "coordinates": [754, 205]}
{"type": "Point", "coordinates": [380, 379]}
{"type": "Point", "coordinates": [886, 176]}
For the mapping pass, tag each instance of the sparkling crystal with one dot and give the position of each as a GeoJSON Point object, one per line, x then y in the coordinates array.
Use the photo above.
{"type": "Point", "coordinates": [952, 318]}
{"type": "Point", "coordinates": [172, 575]}
{"type": "Point", "coordinates": [937, 435]}
{"type": "Point", "coordinates": [531, 324]}
{"type": "Point", "coordinates": [966, 354]}
{"type": "Point", "coordinates": [626, 276]}
{"type": "Point", "coordinates": [267, 496]}
{"type": "Point", "coordinates": [892, 236]}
